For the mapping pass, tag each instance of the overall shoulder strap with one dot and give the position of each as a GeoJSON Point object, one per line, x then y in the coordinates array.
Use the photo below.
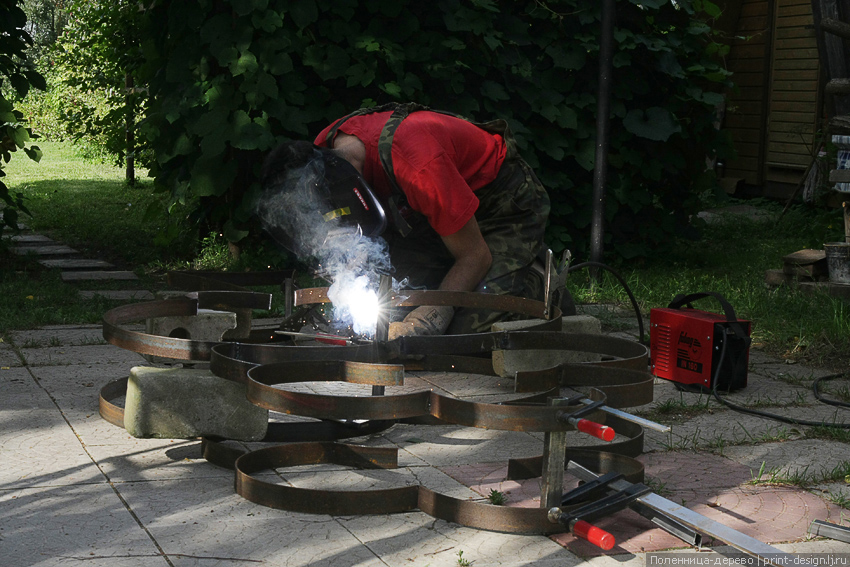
{"type": "Point", "coordinates": [385, 154]}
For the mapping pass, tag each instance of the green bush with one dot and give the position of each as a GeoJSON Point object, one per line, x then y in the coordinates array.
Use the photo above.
{"type": "Point", "coordinates": [16, 78]}
{"type": "Point", "coordinates": [230, 80]}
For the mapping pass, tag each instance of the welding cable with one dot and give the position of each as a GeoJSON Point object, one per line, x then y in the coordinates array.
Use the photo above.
{"type": "Point", "coordinates": [767, 415]}
{"type": "Point", "coordinates": [625, 287]}
{"type": "Point", "coordinates": [820, 398]}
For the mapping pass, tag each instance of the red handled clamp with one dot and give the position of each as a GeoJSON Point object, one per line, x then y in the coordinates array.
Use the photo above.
{"type": "Point", "coordinates": [585, 425]}
{"type": "Point", "coordinates": [576, 520]}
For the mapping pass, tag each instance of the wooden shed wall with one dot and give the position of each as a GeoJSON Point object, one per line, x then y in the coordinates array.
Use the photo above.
{"type": "Point", "coordinates": [772, 116]}
{"type": "Point", "coordinates": [745, 107]}
{"type": "Point", "coordinates": [794, 94]}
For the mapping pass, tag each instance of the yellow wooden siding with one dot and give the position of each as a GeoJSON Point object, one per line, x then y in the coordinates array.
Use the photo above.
{"type": "Point", "coordinates": [792, 120]}
{"type": "Point", "coordinates": [746, 108]}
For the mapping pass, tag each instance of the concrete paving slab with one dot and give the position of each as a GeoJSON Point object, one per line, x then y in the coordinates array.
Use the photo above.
{"type": "Point", "coordinates": [21, 393]}
{"type": "Point", "coordinates": [76, 264]}
{"type": "Point", "coordinates": [44, 250]}
{"type": "Point", "coordinates": [39, 449]}
{"type": "Point", "coordinates": [60, 335]}
{"type": "Point", "coordinates": [16, 382]}
{"type": "Point", "coordinates": [723, 428]}
{"type": "Point", "coordinates": [30, 239]}
{"type": "Point", "coordinates": [418, 539]}
{"type": "Point", "coordinates": [72, 525]}
{"type": "Point", "coordinates": [187, 507]}
{"type": "Point", "coordinates": [465, 385]}
{"type": "Point", "coordinates": [445, 445]}
{"type": "Point", "coordinates": [75, 381]}
{"type": "Point", "coordinates": [8, 356]}
{"type": "Point", "coordinates": [138, 460]}
{"type": "Point", "coordinates": [105, 275]}
{"type": "Point", "coordinates": [192, 520]}
{"type": "Point", "coordinates": [794, 458]}
{"type": "Point", "coordinates": [75, 355]}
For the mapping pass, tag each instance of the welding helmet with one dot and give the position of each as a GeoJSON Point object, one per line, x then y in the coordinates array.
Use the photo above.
{"type": "Point", "coordinates": [309, 193]}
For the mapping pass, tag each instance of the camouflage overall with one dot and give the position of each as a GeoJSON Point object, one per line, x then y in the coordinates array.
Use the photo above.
{"type": "Point", "coordinates": [511, 214]}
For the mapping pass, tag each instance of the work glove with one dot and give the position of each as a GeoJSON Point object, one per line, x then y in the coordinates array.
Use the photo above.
{"type": "Point", "coordinates": [424, 320]}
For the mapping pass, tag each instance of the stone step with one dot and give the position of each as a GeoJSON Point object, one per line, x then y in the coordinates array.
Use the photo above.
{"type": "Point", "coordinates": [24, 239]}
{"type": "Point", "coordinates": [44, 250]}
{"type": "Point", "coordinates": [76, 264]}
{"type": "Point", "coordinates": [104, 275]}
{"type": "Point", "coordinates": [119, 294]}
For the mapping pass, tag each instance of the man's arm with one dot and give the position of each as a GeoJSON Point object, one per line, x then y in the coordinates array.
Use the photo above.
{"type": "Point", "coordinates": [472, 258]}
{"type": "Point", "coordinates": [472, 261]}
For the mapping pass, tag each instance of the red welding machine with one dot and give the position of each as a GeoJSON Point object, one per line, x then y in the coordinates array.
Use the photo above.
{"type": "Point", "coordinates": [687, 345]}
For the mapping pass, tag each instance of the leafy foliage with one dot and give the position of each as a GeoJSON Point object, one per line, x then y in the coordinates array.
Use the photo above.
{"type": "Point", "coordinates": [230, 80]}
{"type": "Point", "coordinates": [96, 59]}
{"type": "Point", "coordinates": [19, 77]}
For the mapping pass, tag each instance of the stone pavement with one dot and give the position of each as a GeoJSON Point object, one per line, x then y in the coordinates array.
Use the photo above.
{"type": "Point", "coordinates": [75, 490]}
{"type": "Point", "coordinates": [73, 267]}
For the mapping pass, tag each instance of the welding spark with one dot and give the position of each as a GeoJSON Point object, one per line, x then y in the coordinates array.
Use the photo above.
{"type": "Point", "coordinates": [355, 302]}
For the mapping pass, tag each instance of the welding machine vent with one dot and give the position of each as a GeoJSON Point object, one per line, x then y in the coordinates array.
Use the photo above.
{"type": "Point", "coordinates": [686, 345]}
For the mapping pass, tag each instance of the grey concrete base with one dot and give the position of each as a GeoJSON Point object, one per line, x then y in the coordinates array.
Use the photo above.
{"type": "Point", "coordinates": [506, 363]}
{"type": "Point", "coordinates": [207, 325]}
{"type": "Point", "coordinates": [182, 403]}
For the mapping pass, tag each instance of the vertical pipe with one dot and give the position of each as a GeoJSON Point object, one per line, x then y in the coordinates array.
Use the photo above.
{"type": "Point", "coordinates": [603, 112]}
{"type": "Point", "coordinates": [554, 461]}
{"type": "Point", "coordinates": [382, 329]}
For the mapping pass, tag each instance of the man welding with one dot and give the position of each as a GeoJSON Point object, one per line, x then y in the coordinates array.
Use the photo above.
{"type": "Point", "coordinates": [464, 211]}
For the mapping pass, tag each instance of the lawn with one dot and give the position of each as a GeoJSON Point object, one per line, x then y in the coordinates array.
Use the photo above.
{"type": "Point", "coordinates": [89, 207]}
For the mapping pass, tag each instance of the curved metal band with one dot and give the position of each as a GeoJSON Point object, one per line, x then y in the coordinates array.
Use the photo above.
{"type": "Point", "coordinates": [392, 500]}
{"type": "Point", "coordinates": [415, 298]}
{"type": "Point", "coordinates": [179, 349]}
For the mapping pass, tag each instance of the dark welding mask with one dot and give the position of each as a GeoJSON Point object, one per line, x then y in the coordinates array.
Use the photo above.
{"type": "Point", "coordinates": [348, 197]}
{"type": "Point", "coordinates": [314, 194]}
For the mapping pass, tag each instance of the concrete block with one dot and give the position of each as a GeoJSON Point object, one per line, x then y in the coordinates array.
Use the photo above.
{"type": "Point", "coordinates": [182, 403]}
{"type": "Point", "coordinates": [212, 328]}
{"type": "Point", "coordinates": [207, 325]}
{"type": "Point", "coordinates": [506, 363]}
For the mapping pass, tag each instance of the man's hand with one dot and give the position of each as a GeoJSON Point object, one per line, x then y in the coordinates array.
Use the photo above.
{"type": "Point", "coordinates": [424, 320]}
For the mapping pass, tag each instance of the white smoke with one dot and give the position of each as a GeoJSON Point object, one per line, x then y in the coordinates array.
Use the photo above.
{"type": "Point", "coordinates": [291, 212]}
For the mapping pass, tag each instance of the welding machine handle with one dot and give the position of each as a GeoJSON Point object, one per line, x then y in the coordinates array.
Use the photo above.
{"type": "Point", "coordinates": [728, 310]}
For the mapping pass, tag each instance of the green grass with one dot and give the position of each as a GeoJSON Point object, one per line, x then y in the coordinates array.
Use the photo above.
{"type": "Point", "coordinates": [90, 207]}
{"type": "Point", "coordinates": [732, 258]}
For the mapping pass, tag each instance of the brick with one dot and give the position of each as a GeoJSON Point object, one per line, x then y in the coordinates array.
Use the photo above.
{"type": "Point", "coordinates": [184, 403]}
{"type": "Point", "coordinates": [506, 363]}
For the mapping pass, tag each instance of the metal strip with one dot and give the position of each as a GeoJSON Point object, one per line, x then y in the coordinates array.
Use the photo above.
{"type": "Point", "coordinates": [742, 542]}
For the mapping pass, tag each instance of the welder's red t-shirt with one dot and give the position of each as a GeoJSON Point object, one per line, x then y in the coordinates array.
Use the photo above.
{"type": "Point", "coordinates": [439, 162]}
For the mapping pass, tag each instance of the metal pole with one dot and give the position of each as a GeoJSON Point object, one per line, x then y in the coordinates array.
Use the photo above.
{"type": "Point", "coordinates": [554, 459]}
{"type": "Point", "coordinates": [603, 112]}
{"type": "Point", "coordinates": [382, 328]}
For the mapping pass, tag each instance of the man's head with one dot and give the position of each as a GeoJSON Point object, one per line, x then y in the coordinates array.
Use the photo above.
{"type": "Point", "coordinates": [309, 192]}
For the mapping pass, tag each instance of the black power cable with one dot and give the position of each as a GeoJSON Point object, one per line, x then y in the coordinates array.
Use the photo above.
{"type": "Point", "coordinates": [776, 417]}
{"type": "Point", "coordinates": [716, 378]}
{"type": "Point", "coordinates": [625, 287]}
